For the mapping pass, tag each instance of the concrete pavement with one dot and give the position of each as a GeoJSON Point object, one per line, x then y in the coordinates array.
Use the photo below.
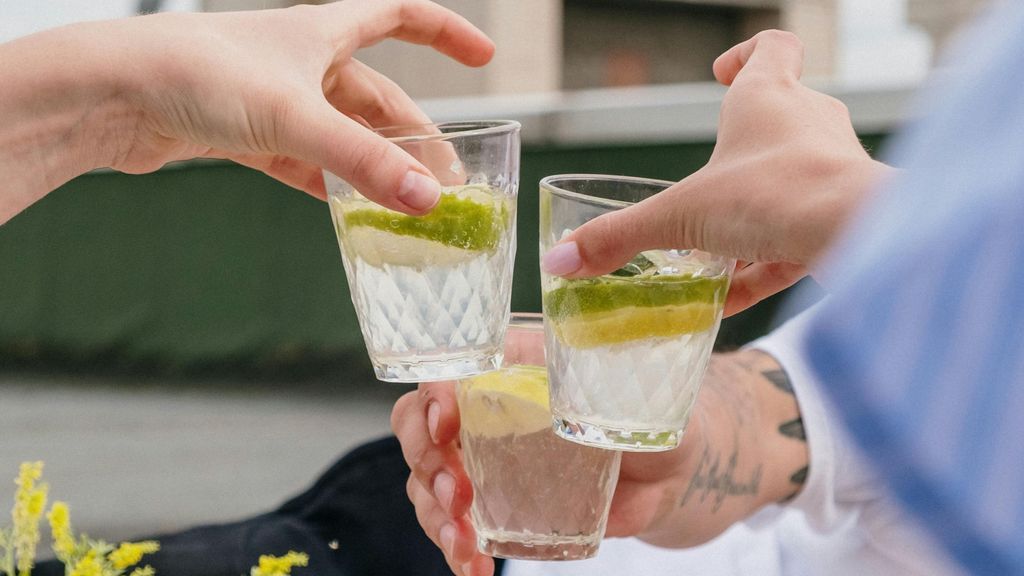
{"type": "Point", "coordinates": [137, 458]}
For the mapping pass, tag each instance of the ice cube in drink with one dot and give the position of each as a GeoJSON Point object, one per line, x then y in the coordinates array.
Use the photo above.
{"type": "Point", "coordinates": [432, 293]}
{"type": "Point", "coordinates": [627, 351]}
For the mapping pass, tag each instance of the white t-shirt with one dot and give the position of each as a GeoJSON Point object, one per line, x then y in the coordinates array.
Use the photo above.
{"type": "Point", "coordinates": [841, 524]}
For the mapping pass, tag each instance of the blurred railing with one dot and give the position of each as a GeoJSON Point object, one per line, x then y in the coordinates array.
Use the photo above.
{"type": "Point", "coordinates": [208, 266]}
{"type": "Point", "coordinates": [673, 113]}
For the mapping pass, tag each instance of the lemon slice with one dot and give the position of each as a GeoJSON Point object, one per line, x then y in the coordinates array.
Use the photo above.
{"type": "Point", "coordinates": [632, 323]}
{"type": "Point", "coordinates": [377, 248]}
{"type": "Point", "coordinates": [607, 310]}
{"type": "Point", "coordinates": [508, 401]}
{"type": "Point", "coordinates": [471, 217]}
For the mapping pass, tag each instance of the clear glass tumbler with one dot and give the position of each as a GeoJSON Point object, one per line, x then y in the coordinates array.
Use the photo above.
{"type": "Point", "coordinates": [432, 293]}
{"type": "Point", "coordinates": [626, 351]}
{"type": "Point", "coordinates": [535, 495]}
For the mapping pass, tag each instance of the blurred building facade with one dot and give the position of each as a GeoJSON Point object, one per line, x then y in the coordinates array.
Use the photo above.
{"type": "Point", "coordinates": [551, 45]}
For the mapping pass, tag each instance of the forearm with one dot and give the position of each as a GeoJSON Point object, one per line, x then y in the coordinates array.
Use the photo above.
{"type": "Point", "coordinates": [61, 110]}
{"type": "Point", "coordinates": [753, 452]}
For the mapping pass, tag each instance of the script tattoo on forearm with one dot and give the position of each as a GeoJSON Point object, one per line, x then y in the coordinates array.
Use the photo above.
{"type": "Point", "coordinates": [712, 480]}
{"type": "Point", "coordinates": [791, 428]}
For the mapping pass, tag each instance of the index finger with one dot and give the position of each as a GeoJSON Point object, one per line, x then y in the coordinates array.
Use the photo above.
{"type": "Point", "coordinates": [775, 53]}
{"type": "Point", "coordinates": [415, 21]}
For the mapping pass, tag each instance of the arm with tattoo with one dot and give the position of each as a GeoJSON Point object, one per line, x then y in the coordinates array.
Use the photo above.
{"type": "Point", "coordinates": [745, 448]}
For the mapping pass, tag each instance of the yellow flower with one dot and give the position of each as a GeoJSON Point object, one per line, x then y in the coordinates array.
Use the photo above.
{"type": "Point", "coordinates": [28, 473]}
{"type": "Point", "coordinates": [129, 553]}
{"type": "Point", "coordinates": [147, 571]}
{"type": "Point", "coordinates": [280, 565]}
{"type": "Point", "coordinates": [60, 527]}
{"type": "Point", "coordinates": [29, 503]}
{"type": "Point", "coordinates": [89, 565]}
{"type": "Point", "coordinates": [6, 552]}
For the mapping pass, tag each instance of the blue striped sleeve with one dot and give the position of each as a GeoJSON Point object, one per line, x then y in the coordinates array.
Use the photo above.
{"type": "Point", "coordinates": [922, 346]}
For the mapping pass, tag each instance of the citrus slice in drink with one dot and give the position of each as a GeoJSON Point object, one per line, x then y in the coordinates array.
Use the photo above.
{"type": "Point", "coordinates": [608, 310]}
{"type": "Point", "coordinates": [467, 220]}
{"type": "Point", "coordinates": [508, 401]}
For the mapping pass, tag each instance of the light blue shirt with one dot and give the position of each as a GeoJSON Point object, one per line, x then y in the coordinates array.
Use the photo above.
{"type": "Point", "coordinates": [922, 346]}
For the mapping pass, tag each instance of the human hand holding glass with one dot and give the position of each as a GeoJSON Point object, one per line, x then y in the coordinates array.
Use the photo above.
{"type": "Point", "coordinates": [432, 293]}
{"type": "Point", "coordinates": [534, 495]}
{"type": "Point", "coordinates": [786, 174]}
{"type": "Point", "coordinates": [734, 461]}
{"type": "Point", "coordinates": [626, 350]}
{"type": "Point", "coordinates": [276, 90]}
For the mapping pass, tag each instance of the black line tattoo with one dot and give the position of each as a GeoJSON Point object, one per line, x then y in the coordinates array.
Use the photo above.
{"type": "Point", "coordinates": [707, 481]}
{"type": "Point", "coordinates": [779, 379]}
{"type": "Point", "coordinates": [800, 476]}
{"type": "Point", "coordinates": [793, 429]}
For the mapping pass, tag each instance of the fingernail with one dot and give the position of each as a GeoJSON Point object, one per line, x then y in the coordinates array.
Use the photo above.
{"type": "Point", "coordinates": [444, 489]}
{"type": "Point", "coordinates": [433, 416]}
{"type": "Point", "coordinates": [562, 259]}
{"type": "Point", "coordinates": [448, 539]}
{"type": "Point", "coordinates": [418, 191]}
{"type": "Point", "coordinates": [467, 568]}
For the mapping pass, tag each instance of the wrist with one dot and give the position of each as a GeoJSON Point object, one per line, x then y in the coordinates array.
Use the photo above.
{"type": "Point", "coordinates": [742, 451]}
{"type": "Point", "coordinates": [65, 112]}
{"type": "Point", "coordinates": [783, 441]}
{"type": "Point", "coordinates": [844, 195]}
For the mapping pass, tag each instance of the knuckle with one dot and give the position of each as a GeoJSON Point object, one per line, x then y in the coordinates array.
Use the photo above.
{"type": "Point", "coordinates": [283, 112]}
{"type": "Point", "coordinates": [303, 12]}
{"type": "Point", "coordinates": [400, 409]}
{"type": "Point", "coordinates": [605, 233]}
{"type": "Point", "coordinates": [419, 457]}
{"type": "Point", "coordinates": [600, 239]}
{"type": "Point", "coordinates": [369, 157]}
{"type": "Point", "coordinates": [781, 37]}
{"type": "Point", "coordinates": [410, 488]}
{"type": "Point", "coordinates": [839, 107]}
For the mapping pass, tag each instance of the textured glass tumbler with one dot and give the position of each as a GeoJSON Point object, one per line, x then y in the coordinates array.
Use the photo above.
{"type": "Point", "coordinates": [626, 351]}
{"type": "Point", "coordinates": [432, 293]}
{"type": "Point", "coordinates": [535, 495]}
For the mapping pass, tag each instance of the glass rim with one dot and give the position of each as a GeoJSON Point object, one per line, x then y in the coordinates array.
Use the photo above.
{"type": "Point", "coordinates": [462, 128]}
{"type": "Point", "coordinates": [549, 183]}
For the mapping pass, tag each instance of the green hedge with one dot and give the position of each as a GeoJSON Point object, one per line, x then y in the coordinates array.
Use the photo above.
{"type": "Point", "coordinates": [212, 266]}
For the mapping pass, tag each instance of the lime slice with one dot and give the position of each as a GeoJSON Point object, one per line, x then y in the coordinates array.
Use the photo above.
{"type": "Point", "coordinates": [509, 401]}
{"type": "Point", "coordinates": [609, 310]}
{"type": "Point", "coordinates": [471, 217]}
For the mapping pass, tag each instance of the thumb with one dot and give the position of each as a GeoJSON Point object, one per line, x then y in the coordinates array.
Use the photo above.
{"type": "Point", "coordinates": [379, 169]}
{"type": "Point", "coordinates": [609, 241]}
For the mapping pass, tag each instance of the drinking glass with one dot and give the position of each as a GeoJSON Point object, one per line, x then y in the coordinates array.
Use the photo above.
{"type": "Point", "coordinates": [432, 293]}
{"type": "Point", "coordinates": [626, 351]}
{"type": "Point", "coordinates": [535, 496]}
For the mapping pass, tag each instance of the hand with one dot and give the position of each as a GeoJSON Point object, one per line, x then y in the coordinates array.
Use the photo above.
{"type": "Point", "coordinates": [732, 461]}
{"type": "Point", "coordinates": [786, 174]}
{"type": "Point", "coordinates": [277, 90]}
{"type": "Point", "coordinates": [426, 423]}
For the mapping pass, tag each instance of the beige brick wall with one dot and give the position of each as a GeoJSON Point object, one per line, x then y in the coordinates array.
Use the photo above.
{"type": "Point", "coordinates": [528, 36]}
{"type": "Point", "coordinates": [814, 21]}
{"type": "Point", "coordinates": [552, 44]}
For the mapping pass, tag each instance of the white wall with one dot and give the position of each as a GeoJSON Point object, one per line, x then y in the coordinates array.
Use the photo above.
{"type": "Point", "coordinates": [22, 17]}
{"type": "Point", "coordinates": [877, 45]}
